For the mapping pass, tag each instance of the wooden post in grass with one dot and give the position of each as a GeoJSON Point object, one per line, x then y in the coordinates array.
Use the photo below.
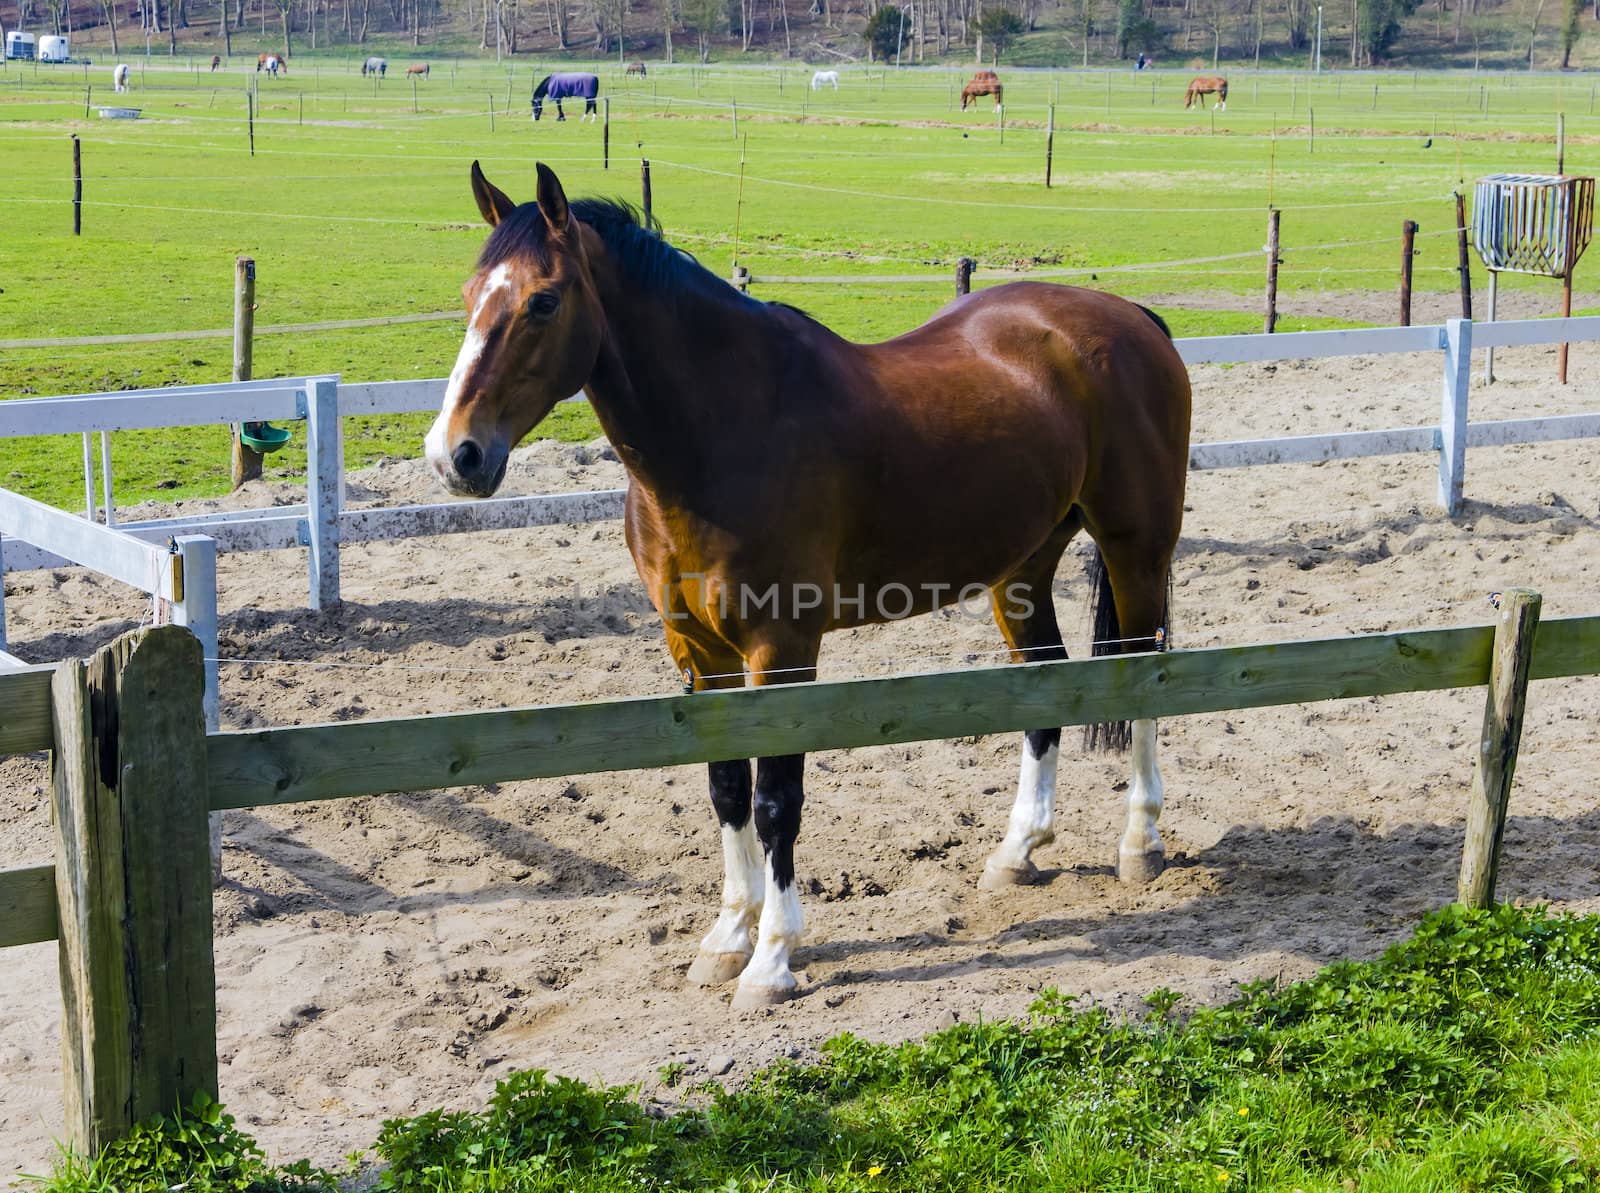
{"type": "Point", "coordinates": [77, 186]}
{"type": "Point", "coordinates": [88, 95]}
{"type": "Point", "coordinates": [644, 187]}
{"type": "Point", "coordinates": [605, 135]}
{"type": "Point", "coordinates": [250, 116]}
{"type": "Point", "coordinates": [1461, 257]}
{"type": "Point", "coordinates": [246, 460]}
{"type": "Point", "coordinates": [964, 276]}
{"type": "Point", "coordinates": [133, 883]}
{"type": "Point", "coordinates": [491, 111]}
{"type": "Point", "coordinates": [1497, 748]}
{"type": "Point", "coordinates": [1272, 270]}
{"type": "Point", "coordinates": [1408, 238]}
{"type": "Point", "coordinates": [1049, 144]}
{"type": "Point", "coordinates": [413, 94]}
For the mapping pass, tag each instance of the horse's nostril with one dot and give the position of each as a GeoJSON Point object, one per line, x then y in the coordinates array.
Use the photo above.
{"type": "Point", "coordinates": [467, 458]}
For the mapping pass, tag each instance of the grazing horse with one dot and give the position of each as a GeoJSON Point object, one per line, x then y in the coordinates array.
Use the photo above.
{"type": "Point", "coordinates": [375, 66]}
{"type": "Point", "coordinates": [216, 61]}
{"type": "Point", "coordinates": [784, 482]}
{"type": "Point", "coordinates": [119, 77]}
{"type": "Point", "coordinates": [823, 77]}
{"type": "Point", "coordinates": [567, 86]}
{"type": "Point", "coordinates": [636, 68]}
{"type": "Point", "coordinates": [1204, 85]}
{"type": "Point", "coordinates": [272, 64]}
{"type": "Point", "coordinates": [984, 82]}
{"type": "Point", "coordinates": [417, 68]}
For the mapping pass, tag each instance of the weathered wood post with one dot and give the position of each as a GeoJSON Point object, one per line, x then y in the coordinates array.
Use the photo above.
{"type": "Point", "coordinates": [1461, 257]}
{"type": "Point", "coordinates": [1408, 239]}
{"type": "Point", "coordinates": [250, 116]}
{"type": "Point", "coordinates": [133, 884]}
{"type": "Point", "coordinates": [246, 460]}
{"type": "Point", "coordinates": [644, 186]}
{"type": "Point", "coordinates": [1049, 145]}
{"type": "Point", "coordinates": [605, 136]}
{"type": "Point", "coordinates": [1272, 271]}
{"type": "Point", "coordinates": [1497, 748]}
{"type": "Point", "coordinates": [964, 276]}
{"type": "Point", "coordinates": [77, 186]}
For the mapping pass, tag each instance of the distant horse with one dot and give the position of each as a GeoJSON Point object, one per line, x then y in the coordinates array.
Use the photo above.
{"type": "Point", "coordinates": [823, 77]}
{"type": "Point", "coordinates": [953, 463]}
{"type": "Point", "coordinates": [984, 82]}
{"type": "Point", "coordinates": [636, 68]}
{"type": "Point", "coordinates": [1204, 85]}
{"type": "Point", "coordinates": [567, 86]}
{"type": "Point", "coordinates": [417, 68]}
{"type": "Point", "coordinates": [272, 64]}
{"type": "Point", "coordinates": [119, 77]}
{"type": "Point", "coordinates": [216, 61]}
{"type": "Point", "coordinates": [374, 66]}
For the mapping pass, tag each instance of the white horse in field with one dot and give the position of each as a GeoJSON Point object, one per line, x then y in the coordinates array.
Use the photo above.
{"type": "Point", "coordinates": [824, 77]}
{"type": "Point", "coordinates": [119, 77]}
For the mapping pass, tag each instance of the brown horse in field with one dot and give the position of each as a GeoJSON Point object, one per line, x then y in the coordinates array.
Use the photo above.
{"type": "Point", "coordinates": [216, 61]}
{"type": "Point", "coordinates": [417, 68]}
{"type": "Point", "coordinates": [1204, 85]}
{"type": "Point", "coordinates": [984, 82]}
{"type": "Point", "coordinates": [636, 68]}
{"type": "Point", "coordinates": [784, 482]}
{"type": "Point", "coordinates": [273, 64]}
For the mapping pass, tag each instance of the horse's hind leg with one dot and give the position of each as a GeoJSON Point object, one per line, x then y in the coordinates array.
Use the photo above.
{"type": "Point", "coordinates": [1137, 569]}
{"type": "Point", "coordinates": [1026, 614]}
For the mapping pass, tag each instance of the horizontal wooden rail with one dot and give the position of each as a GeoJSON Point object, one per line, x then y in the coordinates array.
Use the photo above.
{"type": "Point", "coordinates": [28, 905]}
{"type": "Point", "coordinates": [369, 757]}
{"type": "Point", "coordinates": [25, 710]}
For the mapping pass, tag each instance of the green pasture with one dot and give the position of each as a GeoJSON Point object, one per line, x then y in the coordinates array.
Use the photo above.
{"type": "Point", "coordinates": [355, 204]}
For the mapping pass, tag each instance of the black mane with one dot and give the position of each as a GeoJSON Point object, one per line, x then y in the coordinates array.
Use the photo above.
{"type": "Point", "coordinates": [635, 244]}
{"type": "Point", "coordinates": [543, 88]}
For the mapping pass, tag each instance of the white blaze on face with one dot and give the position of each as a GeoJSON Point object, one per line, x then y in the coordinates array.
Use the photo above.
{"type": "Point", "coordinates": [436, 446]}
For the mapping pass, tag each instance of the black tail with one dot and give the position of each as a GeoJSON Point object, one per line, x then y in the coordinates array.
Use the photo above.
{"type": "Point", "coordinates": [1116, 736]}
{"type": "Point", "coordinates": [1157, 320]}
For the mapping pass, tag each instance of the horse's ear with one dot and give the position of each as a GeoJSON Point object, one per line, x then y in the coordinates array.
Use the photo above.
{"type": "Point", "coordinates": [552, 199]}
{"type": "Point", "coordinates": [493, 203]}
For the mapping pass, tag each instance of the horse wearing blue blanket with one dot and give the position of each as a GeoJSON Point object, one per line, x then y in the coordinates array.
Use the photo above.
{"type": "Point", "coordinates": [566, 86]}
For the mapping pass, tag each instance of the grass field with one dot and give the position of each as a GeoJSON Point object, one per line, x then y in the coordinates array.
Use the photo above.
{"type": "Point", "coordinates": [355, 204]}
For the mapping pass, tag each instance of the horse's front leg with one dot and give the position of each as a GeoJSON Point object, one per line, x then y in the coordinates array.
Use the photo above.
{"type": "Point", "coordinates": [726, 949]}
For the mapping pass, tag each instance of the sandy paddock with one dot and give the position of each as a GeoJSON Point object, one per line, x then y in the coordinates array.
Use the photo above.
{"type": "Point", "coordinates": [382, 956]}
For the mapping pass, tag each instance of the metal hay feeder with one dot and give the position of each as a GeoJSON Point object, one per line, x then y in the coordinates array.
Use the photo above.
{"type": "Point", "coordinates": [1532, 223]}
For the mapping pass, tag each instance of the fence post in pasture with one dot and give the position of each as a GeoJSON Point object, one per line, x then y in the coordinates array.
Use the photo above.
{"type": "Point", "coordinates": [644, 186]}
{"type": "Point", "coordinates": [1492, 773]}
{"type": "Point", "coordinates": [88, 95]}
{"type": "Point", "coordinates": [1374, 97]}
{"type": "Point", "coordinates": [196, 610]}
{"type": "Point", "coordinates": [413, 94]}
{"type": "Point", "coordinates": [246, 460]}
{"type": "Point", "coordinates": [605, 135]}
{"type": "Point", "coordinates": [250, 117]}
{"type": "Point", "coordinates": [1311, 113]}
{"type": "Point", "coordinates": [1049, 144]}
{"type": "Point", "coordinates": [964, 276]}
{"type": "Point", "coordinates": [77, 186]}
{"type": "Point", "coordinates": [1561, 143]}
{"type": "Point", "coordinates": [1408, 237]}
{"type": "Point", "coordinates": [1453, 412]}
{"type": "Point", "coordinates": [129, 803]}
{"type": "Point", "coordinates": [1272, 271]}
{"type": "Point", "coordinates": [1461, 257]}
{"type": "Point", "coordinates": [491, 112]}
{"type": "Point", "coordinates": [323, 482]}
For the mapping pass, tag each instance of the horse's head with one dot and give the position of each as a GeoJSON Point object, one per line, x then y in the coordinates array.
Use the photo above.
{"type": "Point", "coordinates": [539, 92]}
{"type": "Point", "coordinates": [532, 337]}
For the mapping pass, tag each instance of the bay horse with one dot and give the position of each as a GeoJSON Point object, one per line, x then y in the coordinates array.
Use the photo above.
{"type": "Point", "coordinates": [216, 61]}
{"type": "Point", "coordinates": [1204, 85]}
{"type": "Point", "coordinates": [984, 82]}
{"type": "Point", "coordinates": [558, 87]}
{"type": "Point", "coordinates": [769, 458]}
{"type": "Point", "coordinates": [637, 68]}
{"type": "Point", "coordinates": [417, 68]}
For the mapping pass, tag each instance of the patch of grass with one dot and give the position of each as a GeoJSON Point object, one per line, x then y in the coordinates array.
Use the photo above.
{"type": "Point", "coordinates": [1463, 1060]}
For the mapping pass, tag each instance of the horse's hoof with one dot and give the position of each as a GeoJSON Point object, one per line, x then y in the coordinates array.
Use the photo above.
{"type": "Point", "coordinates": [753, 998]}
{"type": "Point", "coordinates": [998, 875]}
{"type": "Point", "coordinates": [713, 969]}
{"type": "Point", "coordinates": [1138, 868]}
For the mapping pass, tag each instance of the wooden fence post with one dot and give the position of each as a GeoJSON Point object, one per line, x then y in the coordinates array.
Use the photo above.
{"type": "Point", "coordinates": [1049, 145]}
{"type": "Point", "coordinates": [246, 460]}
{"type": "Point", "coordinates": [644, 186]}
{"type": "Point", "coordinates": [129, 801]}
{"type": "Point", "coordinates": [1453, 412]}
{"type": "Point", "coordinates": [1408, 240]}
{"type": "Point", "coordinates": [964, 276]}
{"type": "Point", "coordinates": [605, 136]}
{"type": "Point", "coordinates": [77, 186]}
{"type": "Point", "coordinates": [1461, 257]}
{"type": "Point", "coordinates": [1497, 748]}
{"type": "Point", "coordinates": [1272, 271]}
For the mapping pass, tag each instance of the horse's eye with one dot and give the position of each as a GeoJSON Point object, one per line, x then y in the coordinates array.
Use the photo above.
{"type": "Point", "coordinates": [543, 304]}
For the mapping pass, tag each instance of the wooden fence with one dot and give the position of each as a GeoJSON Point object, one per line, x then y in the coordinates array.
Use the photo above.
{"type": "Point", "coordinates": [129, 896]}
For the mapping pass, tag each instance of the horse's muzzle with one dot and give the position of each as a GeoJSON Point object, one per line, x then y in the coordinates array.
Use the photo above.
{"type": "Point", "coordinates": [471, 470]}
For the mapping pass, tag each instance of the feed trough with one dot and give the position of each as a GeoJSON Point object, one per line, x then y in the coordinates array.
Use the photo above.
{"type": "Point", "coordinates": [120, 113]}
